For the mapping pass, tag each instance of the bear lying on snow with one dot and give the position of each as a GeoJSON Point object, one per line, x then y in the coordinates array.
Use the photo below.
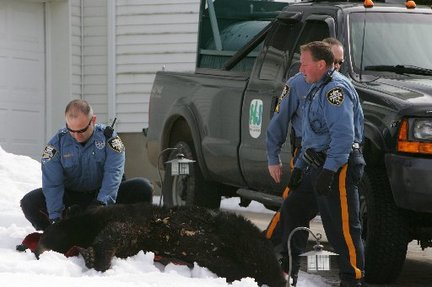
{"type": "Point", "coordinates": [227, 244]}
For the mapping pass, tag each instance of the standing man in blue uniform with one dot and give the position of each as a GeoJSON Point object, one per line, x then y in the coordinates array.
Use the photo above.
{"type": "Point", "coordinates": [289, 110]}
{"type": "Point", "coordinates": [82, 166]}
{"type": "Point", "coordinates": [331, 158]}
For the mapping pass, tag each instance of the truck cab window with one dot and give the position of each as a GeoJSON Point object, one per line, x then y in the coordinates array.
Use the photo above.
{"type": "Point", "coordinates": [375, 48]}
{"type": "Point", "coordinates": [276, 51]}
{"type": "Point", "coordinates": [312, 31]}
{"type": "Point", "coordinates": [233, 38]}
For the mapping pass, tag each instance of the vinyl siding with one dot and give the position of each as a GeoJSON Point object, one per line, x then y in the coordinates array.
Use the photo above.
{"type": "Point", "coordinates": [150, 34]}
{"type": "Point", "coordinates": [95, 83]}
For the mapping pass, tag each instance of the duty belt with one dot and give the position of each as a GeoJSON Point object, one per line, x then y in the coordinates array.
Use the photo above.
{"type": "Point", "coordinates": [317, 158]}
{"type": "Point", "coordinates": [314, 158]}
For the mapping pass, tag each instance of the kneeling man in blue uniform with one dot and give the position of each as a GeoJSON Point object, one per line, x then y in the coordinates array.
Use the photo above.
{"type": "Point", "coordinates": [82, 167]}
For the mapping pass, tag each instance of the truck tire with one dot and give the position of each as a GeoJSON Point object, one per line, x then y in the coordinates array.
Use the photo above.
{"type": "Point", "coordinates": [190, 189]}
{"type": "Point", "coordinates": [386, 229]}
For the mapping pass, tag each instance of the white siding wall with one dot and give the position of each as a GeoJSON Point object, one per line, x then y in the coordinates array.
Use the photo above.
{"type": "Point", "coordinates": [75, 6]}
{"type": "Point", "coordinates": [150, 34]}
{"type": "Point", "coordinates": [95, 84]}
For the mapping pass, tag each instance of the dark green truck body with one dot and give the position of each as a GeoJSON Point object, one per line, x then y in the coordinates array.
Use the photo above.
{"type": "Point", "coordinates": [218, 115]}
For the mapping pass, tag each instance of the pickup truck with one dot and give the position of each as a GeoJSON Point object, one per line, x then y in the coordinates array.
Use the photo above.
{"type": "Point", "coordinates": [218, 115]}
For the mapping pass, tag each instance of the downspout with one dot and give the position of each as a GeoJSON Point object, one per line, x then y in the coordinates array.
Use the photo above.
{"type": "Point", "coordinates": [111, 61]}
{"type": "Point", "coordinates": [82, 48]}
{"type": "Point", "coordinates": [48, 71]}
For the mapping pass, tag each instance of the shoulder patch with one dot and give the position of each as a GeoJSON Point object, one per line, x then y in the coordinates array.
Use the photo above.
{"type": "Point", "coordinates": [48, 153]}
{"type": "Point", "coordinates": [335, 96]}
{"type": "Point", "coordinates": [116, 144]}
{"type": "Point", "coordinates": [285, 91]}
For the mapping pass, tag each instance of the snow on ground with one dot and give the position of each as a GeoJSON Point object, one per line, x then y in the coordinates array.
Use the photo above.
{"type": "Point", "coordinates": [20, 174]}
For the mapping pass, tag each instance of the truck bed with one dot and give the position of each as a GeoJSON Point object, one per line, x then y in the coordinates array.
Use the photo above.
{"type": "Point", "coordinates": [209, 101]}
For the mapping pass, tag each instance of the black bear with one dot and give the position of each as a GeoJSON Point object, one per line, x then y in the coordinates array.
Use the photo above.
{"type": "Point", "coordinates": [227, 244]}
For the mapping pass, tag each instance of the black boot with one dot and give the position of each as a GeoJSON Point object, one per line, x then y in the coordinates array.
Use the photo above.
{"type": "Point", "coordinates": [284, 262]}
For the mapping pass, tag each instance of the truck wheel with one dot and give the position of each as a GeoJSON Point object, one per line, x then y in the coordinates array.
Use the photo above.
{"type": "Point", "coordinates": [386, 230]}
{"type": "Point", "coordinates": [189, 189]}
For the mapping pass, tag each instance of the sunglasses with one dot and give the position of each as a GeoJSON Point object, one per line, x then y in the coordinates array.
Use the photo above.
{"type": "Point", "coordinates": [338, 62]}
{"type": "Point", "coordinates": [81, 130]}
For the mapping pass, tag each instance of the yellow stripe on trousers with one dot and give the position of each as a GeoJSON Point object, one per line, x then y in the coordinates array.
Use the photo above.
{"type": "Point", "coordinates": [345, 222]}
{"type": "Point", "coordinates": [287, 189]}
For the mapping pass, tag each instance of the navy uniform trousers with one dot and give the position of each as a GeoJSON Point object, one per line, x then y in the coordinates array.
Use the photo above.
{"type": "Point", "coordinates": [130, 191]}
{"type": "Point", "coordinates": [274, 229]}
{"type": "Point", "coordinates": [340, 214]}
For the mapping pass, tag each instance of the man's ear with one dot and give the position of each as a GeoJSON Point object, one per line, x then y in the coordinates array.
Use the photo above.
{"type": "Point", "coordinates": [322, 65]}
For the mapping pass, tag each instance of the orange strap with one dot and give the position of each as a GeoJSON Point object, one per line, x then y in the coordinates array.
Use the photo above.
{"type": "Point", "coordinates": [272, 225]}
{"type": "Point", "coordinates": [345, 222]}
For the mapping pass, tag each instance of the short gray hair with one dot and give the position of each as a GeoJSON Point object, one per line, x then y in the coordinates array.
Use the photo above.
{"type": "Point", "coordinates": [78, 106]}
{"type": "Point", "coordinates": [333, 42]}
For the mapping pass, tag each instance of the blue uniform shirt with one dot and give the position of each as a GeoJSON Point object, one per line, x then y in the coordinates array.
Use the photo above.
{"type": "Point", "coordinates": [289, 109]}
{"type": "Point", "coordinates": [67, 164]}
{"type": "Point", "coordinates": [332, 121]}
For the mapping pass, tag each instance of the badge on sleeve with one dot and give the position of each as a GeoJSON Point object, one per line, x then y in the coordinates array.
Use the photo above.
{"type": "Point", "coordinates": [284, 93]}
{"type": "Point", "coordinates": [48, 153]}
{"type": "Point", "coordinates": [335, 96]}
{"type": "Point", "coordinates": [116, 144]}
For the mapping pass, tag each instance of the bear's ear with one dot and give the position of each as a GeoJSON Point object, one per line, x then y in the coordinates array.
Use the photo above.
{"type": "Point", "coordinates": [30, 242]}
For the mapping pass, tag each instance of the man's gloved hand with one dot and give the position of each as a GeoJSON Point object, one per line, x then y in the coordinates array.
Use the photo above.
{"type": "Point", "coordinates": [296, 178]}
{"type": "Point", "coordinates": [324, 182]}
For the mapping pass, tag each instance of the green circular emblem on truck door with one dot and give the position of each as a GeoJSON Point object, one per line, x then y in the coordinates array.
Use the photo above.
{"type": "Point", "coordinates": [255, 117]}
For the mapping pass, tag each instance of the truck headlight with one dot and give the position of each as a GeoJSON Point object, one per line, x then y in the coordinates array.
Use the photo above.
{"type": "Point", "coordinates": [422, 129]}
{"type": "Point", "coordinates": [415, 136]}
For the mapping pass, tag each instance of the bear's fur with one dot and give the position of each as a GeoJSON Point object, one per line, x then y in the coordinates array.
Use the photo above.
{"type": "Point", "coordinates": [227, 244]}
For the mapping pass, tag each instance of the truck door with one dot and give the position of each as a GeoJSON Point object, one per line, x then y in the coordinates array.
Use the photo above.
{"type": "Point", "coordinates": [278, 61]}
